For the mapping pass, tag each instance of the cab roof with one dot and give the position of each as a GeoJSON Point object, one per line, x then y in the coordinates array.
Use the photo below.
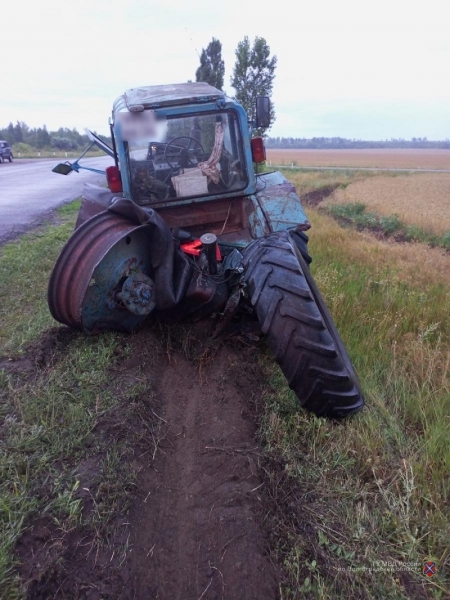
{"type": "Point", "coordinates": [154, 96]}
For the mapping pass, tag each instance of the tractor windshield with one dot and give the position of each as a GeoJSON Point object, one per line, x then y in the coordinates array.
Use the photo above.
{"type": "Point", "coordinates": [187, 156]}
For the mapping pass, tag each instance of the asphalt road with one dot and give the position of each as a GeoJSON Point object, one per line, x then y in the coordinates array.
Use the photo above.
{"type": "Point", "coordinates": [29, 191]}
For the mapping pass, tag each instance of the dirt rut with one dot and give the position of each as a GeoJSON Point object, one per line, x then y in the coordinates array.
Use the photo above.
{"type": "Point", "coordinates": [196, 531]}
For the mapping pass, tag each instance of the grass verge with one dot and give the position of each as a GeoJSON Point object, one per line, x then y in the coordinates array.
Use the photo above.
{"type": "Point", "coordinates": [55, 391]}
{"type": "Point", "coordinates": [358, 506]}
{"type": "Point", "coordinates": [26, 151]}
{"type": "Point", "coordinates": [25, 267]}
{"type": "Point", "coordinates": [355, 213]}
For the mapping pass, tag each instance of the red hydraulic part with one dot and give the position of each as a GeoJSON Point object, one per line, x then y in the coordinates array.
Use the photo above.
{"type": "Point", "coordinates": [194, 248]}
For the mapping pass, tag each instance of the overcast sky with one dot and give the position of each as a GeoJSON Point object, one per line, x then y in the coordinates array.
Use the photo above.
{"type": "Point", "coordinates": [365, 69]}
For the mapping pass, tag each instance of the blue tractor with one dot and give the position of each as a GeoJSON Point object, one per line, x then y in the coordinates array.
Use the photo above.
{"type": "Point", "coordinates": [188, 229]}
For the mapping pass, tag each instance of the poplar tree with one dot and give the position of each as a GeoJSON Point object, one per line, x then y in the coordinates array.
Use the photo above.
{"type": "Point", "coordinates": [253, 74]}
{"type": "Point", "coordinates": [212, 67]}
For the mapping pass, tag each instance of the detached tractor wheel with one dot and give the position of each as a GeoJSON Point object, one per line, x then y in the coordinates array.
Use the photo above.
{"type": "Point", "coordinates": [299, 328]}
{"type": "Point", "coordinates": [101, 279]}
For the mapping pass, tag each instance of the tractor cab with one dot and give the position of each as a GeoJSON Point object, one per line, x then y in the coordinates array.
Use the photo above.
{"type": "Point", "coordinates": [179, 142]}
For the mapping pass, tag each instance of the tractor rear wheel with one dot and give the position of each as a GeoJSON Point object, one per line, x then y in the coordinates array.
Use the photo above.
{"type": "Point", "coordinates": [90, 284]}
{"type": "Point", "coordinates": [299, 328]}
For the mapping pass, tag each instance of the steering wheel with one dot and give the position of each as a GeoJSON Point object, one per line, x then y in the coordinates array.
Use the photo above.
{"type": "Point", "coordinates": [146, 187]}
{"type": "Point", "coordinates": [183, 151]}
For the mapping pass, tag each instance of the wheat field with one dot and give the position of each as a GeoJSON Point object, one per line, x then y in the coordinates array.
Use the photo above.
{"type": "Point", "coordinates": [421, 199]}
{"type": "Point", "coordinates": [383, 158]}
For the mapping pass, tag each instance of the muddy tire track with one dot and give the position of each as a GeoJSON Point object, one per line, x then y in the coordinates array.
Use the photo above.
{"type": "Point", "coordinates": [196, 530]}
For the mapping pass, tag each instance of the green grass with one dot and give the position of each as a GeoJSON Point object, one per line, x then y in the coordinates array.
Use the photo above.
{"type": "Point", "coordinates": [26, 151]}
{"type": "Point", "coordinates": [355, 213]}
{"type": "Point", "coordinates": [372, 493]}
{"type": "Point", "coordinates": [55, 388]}
{"type": "Point", "coordinates": [307, 181]}
{"type": "Point", "coordinates": [47, 430]}
{"type": "Point", "coordinates": [25, 266]}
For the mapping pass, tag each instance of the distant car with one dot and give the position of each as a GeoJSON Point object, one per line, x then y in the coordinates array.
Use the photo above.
{"type": "Point", "coordinates": [5, 151]}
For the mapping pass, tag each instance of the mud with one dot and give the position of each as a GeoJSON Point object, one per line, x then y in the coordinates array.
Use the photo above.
{"type": "Point", "coordinates": [43, 352]}
{"type": "Point", "coordinates": [196, 524]}
{"type": "Point", "coordinates": [317, 196]}
{"type": "Point", "coordinates": [196, 530]}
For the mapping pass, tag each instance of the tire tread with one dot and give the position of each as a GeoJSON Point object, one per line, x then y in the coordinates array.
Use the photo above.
{"type": "Point", "coordinates": [305, 343]}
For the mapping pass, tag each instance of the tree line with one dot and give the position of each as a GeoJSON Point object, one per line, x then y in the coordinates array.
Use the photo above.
{"type": "Point", "coordinates": [70, 139]}
{"type": "Point", "coordinates": [331, 143]}
{"type": "Point", "coordinates": [40, 138]}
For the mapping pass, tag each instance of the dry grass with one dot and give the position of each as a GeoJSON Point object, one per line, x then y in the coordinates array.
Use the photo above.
{"type": "Point", "coordinates": [421, 199]}
{"type": "Point", "coordinates": [384, 158]}
{"type": "Point", "coordinates": [310, 181]}
{"type": "Point", "coordinates": [372, 493]}
{"type": "Point", "coordinates": [415, 264]}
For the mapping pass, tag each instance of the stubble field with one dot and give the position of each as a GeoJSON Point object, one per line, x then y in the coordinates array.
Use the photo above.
{"type": "Point", "coordinates": [382, 158]}
{"type": "Point", "coordinates": [421, 199]}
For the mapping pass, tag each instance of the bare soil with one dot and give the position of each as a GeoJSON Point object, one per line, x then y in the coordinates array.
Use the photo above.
{"type": "Point", "coordinates": [196, 525]}
{"type": "Point", "coordinates": [317, 196]}
{"type": "Point", "coordinates": [196, 532]}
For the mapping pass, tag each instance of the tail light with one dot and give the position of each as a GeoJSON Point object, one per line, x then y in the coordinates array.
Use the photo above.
{"type": "Point", "coordinates": [114, 180]}
{"type": "Point", "coordinates": [258, 150]}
